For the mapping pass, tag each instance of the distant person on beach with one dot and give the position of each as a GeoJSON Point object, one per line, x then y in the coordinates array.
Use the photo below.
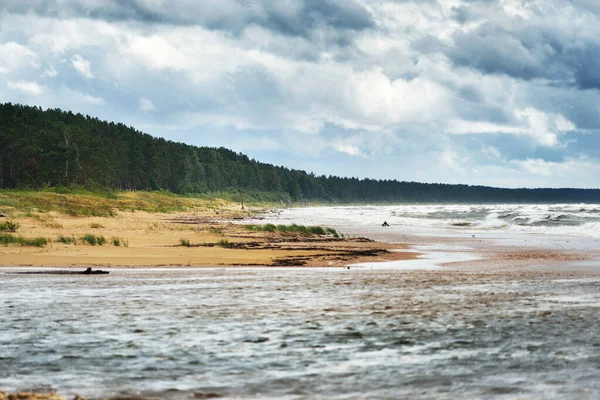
{"type": "Point", "coordinates": [385, 223]}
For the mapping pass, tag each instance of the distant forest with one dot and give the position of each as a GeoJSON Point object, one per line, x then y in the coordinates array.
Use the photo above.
{"type": "Point", "coordinates": [53, 148]}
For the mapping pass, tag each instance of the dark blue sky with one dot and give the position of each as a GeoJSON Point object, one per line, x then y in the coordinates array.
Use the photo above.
{"type": "Point", "coordinates": [495, 92]}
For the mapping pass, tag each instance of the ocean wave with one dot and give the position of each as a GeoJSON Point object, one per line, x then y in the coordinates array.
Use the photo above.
{"type": "Point", "coordinates": [579, 219]}
{"type": "Point", "coordinates": [560, 219]}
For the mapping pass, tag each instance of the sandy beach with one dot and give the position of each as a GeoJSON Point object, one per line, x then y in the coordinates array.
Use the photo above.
{"type": "Point", "coordinates": [154, 240]}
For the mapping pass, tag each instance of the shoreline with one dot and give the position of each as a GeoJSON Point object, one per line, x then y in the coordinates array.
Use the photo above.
{"type": "Point", "coordinates": [194, 239]}
{"type": "Point", "coordinates": [218, 239]}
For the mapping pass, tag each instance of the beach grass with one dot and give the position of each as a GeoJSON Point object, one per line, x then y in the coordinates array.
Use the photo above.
{"type": "Point", "coordinates": [6, 239]}
{"type": "Point", "coordinates": [294, 228]}
{"type": "Point", "coordinates": [8, 226]}
{"type": "Point", "coordinates": [93, 240]}
{"type": "Point", "coordinates": [82, 203]}
{"type": "Point", "coordinates": [224, 243]}
{"type": "Point", "coordinates": [67, 239]}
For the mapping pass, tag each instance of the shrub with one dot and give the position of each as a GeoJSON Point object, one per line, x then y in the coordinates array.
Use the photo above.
{"type": "Point", "coordinates": [270, 228]}
{"type": "Point", "coordinates": [93, 240]}
{"type": "Point", "coordinates": [5, 238]}
{"type": "Point", "coordinates": [8, 226]}
{"type": "Point", "coordinates": [37, 242]}
{"type": "Point", "coordinates": [316, 230]}
{"type": "Point", "coordinates": [67, 239]}
{"type": "Point", "coordinates": [184, 242]}
{"type": "Point", "coordinates": [225, 244]}
{"type": "Point", "coordinates": [116, 241]}
{"type": "Point", "coordinates": [294, 228]}
{"type": "Point", "coordinates": [95, 225]}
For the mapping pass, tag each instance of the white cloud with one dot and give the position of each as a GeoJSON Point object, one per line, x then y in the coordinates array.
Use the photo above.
{"type": "Point", "coordinates": [147, 105]}
{"type": "Point", "coordinates": [349, 149]}
{"type": "Point", "coordinates": [82, 66]}
{"type": "Point", "coordinates": [545, 128]}
{"type": "Point", "coordinates": [28, 87]}
{"type": "Point", "coordinates": [14, 57]}
{"type": "Point", "coordinates": [50, 72]}
{"type": "Point", "coordinates": [573, 172]}
{"type": "Point", "coordinates": [93, 100]}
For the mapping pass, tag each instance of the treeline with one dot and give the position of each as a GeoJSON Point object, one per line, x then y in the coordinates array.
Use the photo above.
{"type": "Point", "coordinates": [53, 148]}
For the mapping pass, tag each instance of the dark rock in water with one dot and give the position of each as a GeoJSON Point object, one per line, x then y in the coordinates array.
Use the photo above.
{"type": "Point", "coordinates": [260, 339]}
{"type": "Point", "coordinates": [209, 395]}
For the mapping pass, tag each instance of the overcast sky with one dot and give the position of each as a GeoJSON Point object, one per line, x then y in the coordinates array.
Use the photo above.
{"type": "Point", "coordinates": [493, 92]}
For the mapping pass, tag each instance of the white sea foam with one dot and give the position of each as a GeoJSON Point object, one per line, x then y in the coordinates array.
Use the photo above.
{"type": "Point", "coordinates": [431, 261]}
{"type": "Point", "coordinates": [581, 220]}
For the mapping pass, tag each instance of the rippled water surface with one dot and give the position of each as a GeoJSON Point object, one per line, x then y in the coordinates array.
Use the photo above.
{"type": "Point", "coordinates": [302, 334]}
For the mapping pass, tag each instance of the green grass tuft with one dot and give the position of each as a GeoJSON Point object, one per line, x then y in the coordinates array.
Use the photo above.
{"type": "Point", "coordinates": [37, 242]}
{"type": "Point", "coordinates": [185, 242]}
{"type": "Point", "coordinates": [226, 244]}
{"type": "Point", "coordinates": [8, 226]}
{"type": "Point", "coordinates": [93, 240]}
{"type": "Point", "coordinates": [6, 239]}
{"type": "Point", "coordinates": [294, 228]}
{"type": "Point", "coordinates": [67, 239]}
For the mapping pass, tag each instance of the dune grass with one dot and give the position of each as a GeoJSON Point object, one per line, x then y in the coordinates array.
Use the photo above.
{"type": "Point", "coordinates": [6, 239]}
{"type": "Point", "coordinates": [96, 204]}
{"type": "Point", "coordinates": [224, 243]}
{"type": "Point", "coordinates": [67, 239]}
{"type": "Point", "coordinates": [8, 226]}
{"type": "Point", "coordinates": [93, 240]}
{"type": "Point", "coordinates": [294, 228]}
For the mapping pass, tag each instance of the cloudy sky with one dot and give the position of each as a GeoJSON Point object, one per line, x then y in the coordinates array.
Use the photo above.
{"type": "Point", "coordinates": [494, 92]}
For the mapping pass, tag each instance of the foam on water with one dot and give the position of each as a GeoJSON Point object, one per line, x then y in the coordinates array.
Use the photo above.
{"type": "Point", "coordinates": [431, 260]}
{"type": "Point", "coordinates": [359, 333]}
{"type": "Point", "coordinates": [367, 332]}
{"type": "Point", "coordinates": [567, 219]}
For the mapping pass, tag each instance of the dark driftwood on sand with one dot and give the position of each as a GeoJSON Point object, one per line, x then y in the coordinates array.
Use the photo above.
{"type": "Point", "coordinates": [88, 271]}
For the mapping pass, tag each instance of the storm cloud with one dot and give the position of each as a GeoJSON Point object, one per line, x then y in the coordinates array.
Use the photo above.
{"type": "Point", "coordinates": [289, 17]}
{"type": "Point", "coordinates": [469, 91]}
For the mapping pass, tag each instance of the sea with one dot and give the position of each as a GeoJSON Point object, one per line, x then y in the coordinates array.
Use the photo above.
{"type": "Point", "coordinates": [419, 329]}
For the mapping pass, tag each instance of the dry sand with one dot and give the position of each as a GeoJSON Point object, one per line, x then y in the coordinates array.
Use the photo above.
{"type": "Point", "coordinates": [153, 240]}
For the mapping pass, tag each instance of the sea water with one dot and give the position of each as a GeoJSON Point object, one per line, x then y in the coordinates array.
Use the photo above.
{"type": "Point", "coordinates": [555, 219]}
{"type": "Point", "coordinates": [419, 333]}
{"type": "Point", "coordinates": [560, 227]}
{"type": "Point", "coordinates": [301, 333]}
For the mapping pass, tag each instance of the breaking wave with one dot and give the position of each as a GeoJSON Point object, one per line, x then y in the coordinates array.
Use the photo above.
{"type": "Point", "coordinates": [556, 219]}
{"type": "Point", "coordinates": [569, 219]}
